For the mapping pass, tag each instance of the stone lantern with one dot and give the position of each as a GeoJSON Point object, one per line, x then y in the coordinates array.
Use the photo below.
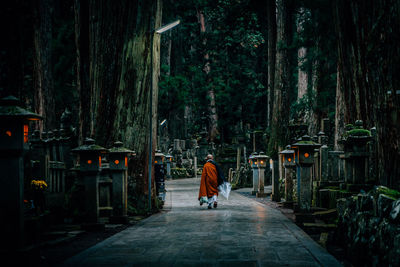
{"type": "Point", "coordinates": [253, 164]}
{"type": "Point", "coordinates": [304, 157]}
{"type": "Point", "coordinates": [159, 174]}
{"type": "Point", "coordinates": [356, 153]}
{"type": "Point", "coordinates": [168, 161]}
{"type": "Point", "coordinates": [14, 129]}
{"type": "Point", "coordinates": [288, 159]}
{"type": "Point", "coordinates": [262, 161]}
{"type": "Point", "coordinates": [90, 156]}
{"type": "Point", "coordinates": [118, 160]}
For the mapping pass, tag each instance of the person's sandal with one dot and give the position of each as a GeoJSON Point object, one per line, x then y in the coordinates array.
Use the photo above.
{"type": "Point", "coordinates": [215, 205]}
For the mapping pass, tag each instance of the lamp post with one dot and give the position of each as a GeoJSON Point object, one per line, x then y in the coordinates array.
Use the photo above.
{"type": "Point", "coordinates": [158, 31]}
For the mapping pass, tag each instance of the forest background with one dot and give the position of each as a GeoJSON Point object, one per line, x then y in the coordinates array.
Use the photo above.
{"type": "Point", "coordinates": [233, 66]}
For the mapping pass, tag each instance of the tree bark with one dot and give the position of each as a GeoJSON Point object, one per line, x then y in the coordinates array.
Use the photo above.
{"type": "Point", "coordinates": [280, 119]}
{"type": "Point", "coordinates": [369, 67]}
{"type": "Point", "coordinates": [120, 76]}
{"type": "Point", "coordinates": [339, 114]}
{"type": "Point", "coordinates": [81, 10]}
{"type": "Point", "coordinates": [271, 17]}
{"type": "Point", "coordinates": [43, 75]}
{"type": "Point", "coordinates": [212, 108]}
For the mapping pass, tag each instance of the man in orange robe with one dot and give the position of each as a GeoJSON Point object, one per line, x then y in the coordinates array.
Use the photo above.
{"type": "Point", "coordinates": [208, 192]}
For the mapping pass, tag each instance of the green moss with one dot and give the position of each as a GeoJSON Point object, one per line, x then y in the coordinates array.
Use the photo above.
{"type": "Point", "coordinates": [332, 187]}
{"type": "Point", "coordinates": [388, 192]}
{"type": "Point", "coordinates": [306, 142]}
{"type": "Point", "coordinates": [359, 132]}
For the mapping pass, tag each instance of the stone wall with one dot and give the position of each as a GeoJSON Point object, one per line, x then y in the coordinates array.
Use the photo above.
{"type": "Point", "coordinates": [369, 227]}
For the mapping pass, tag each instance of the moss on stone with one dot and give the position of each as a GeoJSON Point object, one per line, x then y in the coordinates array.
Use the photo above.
{"type": "Point", "coordinates": [388, 192]}
{"type": "Point", "coordinates": [359, 132]}
{"type": "Point", "coordinates": [306, 142]}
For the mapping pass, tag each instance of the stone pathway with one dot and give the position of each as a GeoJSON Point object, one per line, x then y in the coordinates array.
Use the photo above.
{"type": "Point", "coordinates": [240, 232]}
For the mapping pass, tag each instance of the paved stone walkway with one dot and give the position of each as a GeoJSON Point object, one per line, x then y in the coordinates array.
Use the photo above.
{"type": "Point", "coordinates": [240, 232]}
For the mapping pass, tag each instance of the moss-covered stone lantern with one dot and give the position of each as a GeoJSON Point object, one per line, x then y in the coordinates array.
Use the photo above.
{"type": "Point", "coordinates": [14, 128]}
{"type": "Point", "coordinates": [90, 156]}
{"type": "Point", "coordinates": [288, 157]}
{"type": "Point", "coordinates": [118, 160]}
{"type": "Point", "coordinates": [356, 153]}
{"type": "Point", "coordinates": [304, 157]}
{"type": "Point", "coordinates": [305, 149]}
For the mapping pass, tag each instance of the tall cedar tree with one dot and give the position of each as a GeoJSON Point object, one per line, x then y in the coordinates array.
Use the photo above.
{"type": "Point", "coordinates": [117, 77]}
{"type": "Point", "coordinates": [369, 56]}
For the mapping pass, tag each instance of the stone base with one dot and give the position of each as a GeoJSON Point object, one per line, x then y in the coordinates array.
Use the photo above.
{"type": "Point", "coordinates": [261, 194]}
{"type": "Point", "coordinates": [288, 204]}
{"type": "Point", "coordinates": [93, 227]}
{"type": "Point", "coordinates": [119, 220]}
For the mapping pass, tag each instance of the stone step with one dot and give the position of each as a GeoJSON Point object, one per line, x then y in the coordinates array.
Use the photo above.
{"type": "Point", "coordinates": [320, 225]}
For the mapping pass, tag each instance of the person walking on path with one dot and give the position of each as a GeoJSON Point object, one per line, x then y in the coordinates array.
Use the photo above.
{"type": "Point", "coordinates": [211, 178]}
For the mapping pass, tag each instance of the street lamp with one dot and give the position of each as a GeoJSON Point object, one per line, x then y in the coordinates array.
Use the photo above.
{"type": "Point", "coordinates": [158, 31]}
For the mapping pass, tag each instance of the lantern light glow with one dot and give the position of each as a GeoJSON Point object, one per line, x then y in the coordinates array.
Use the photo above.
{"type": "Point", "coordinates": [89, 161]}
{"type": "Point", "coordinates": [116, 162]}
{"type": "Point", "coordinates": [26, 130]}
{"type": "Point", "coordinates": [8, 133]}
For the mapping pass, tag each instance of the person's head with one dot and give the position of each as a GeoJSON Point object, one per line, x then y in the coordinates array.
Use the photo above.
{"type": "Point", "coordinates": [209, 156]}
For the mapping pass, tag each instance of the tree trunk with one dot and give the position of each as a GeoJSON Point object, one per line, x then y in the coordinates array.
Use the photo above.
{"type": "Point", "coordinates": [315, 118]}
{"type": "Point", "coordinates": [339, 114]}
{"type": "Point", "coordinates": [212, 108]}
{"type": "Point", "coordinates": [302, 82]}
{"type": "Point", "coordinates": [369, 67]}
{"type": "Point", "coordinates": [280, 119]}
{"type": "Point", "coordinates": [43, 75]}
{"type": "Point", "coordinates": [271, 16]}
{"type": "Point", "coordinates": [85, 129]}
{"type": "Point", "coordinates": [121, 71]}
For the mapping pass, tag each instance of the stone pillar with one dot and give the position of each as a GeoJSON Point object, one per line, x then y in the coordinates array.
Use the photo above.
{"type": "Point", "coordinates": [323, 163]}
{"type": "Point", "coordinates": [159, 175]}
{"type": "Point", "coordinates": [169, 162]}
{"type": "Point", "coordinates": [177, 144]}
{"type": "Point", "coordinates": [90, 156]}
{"type": "Point", "coordinates": [304, 182]}
{"type": "Point", "coordinates": [304, 160]}
{"type": "Point", "coordinates": [289, 174]}
{"type": "Point", "coordinates": [254, 167]}
{"type": "Point", "coordinates": [118, 158]}
{"type": "Point", "coordinates": [287, 157]}
{"type": "Point", "coordinates": [262, 162]}
{"type": "Point", "coordinates": [14, 126]}
{"type": "Point", "coordinates": [275, 181]}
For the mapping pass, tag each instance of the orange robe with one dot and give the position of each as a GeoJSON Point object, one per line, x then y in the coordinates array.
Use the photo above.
{"type": "Point", "coordinates": [209, 181]}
